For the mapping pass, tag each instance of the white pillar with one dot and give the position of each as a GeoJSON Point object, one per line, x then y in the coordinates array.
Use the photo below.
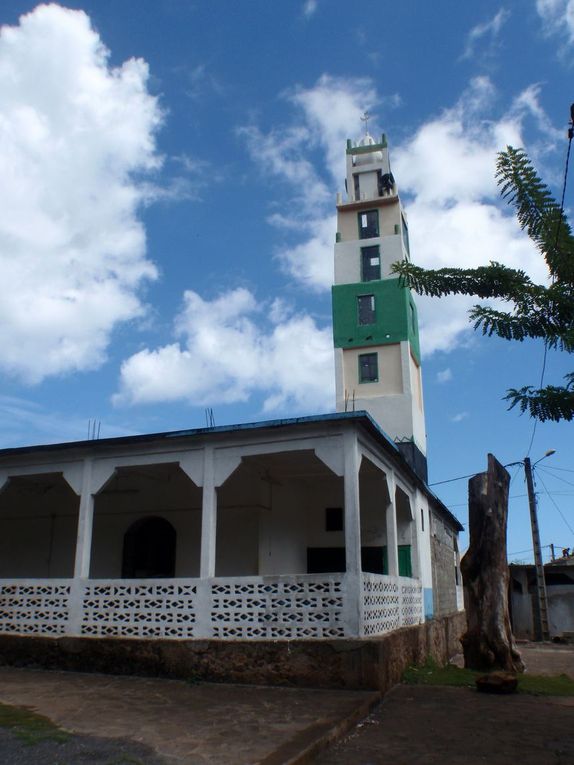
{"type": "Point", "coordinates": [85, 524]}
{"type": "Point", "coordinates": [353, 577]}
{"type": "Point", "coordinates": [208, 516]}
{"type": "Point", "coordinates": [352, 504]}
{"type": "Point", "coordinates": [391, 519]}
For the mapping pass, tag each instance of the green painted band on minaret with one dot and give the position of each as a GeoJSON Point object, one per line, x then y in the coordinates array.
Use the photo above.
{"type": "Point", "coordinates": [395, 316]}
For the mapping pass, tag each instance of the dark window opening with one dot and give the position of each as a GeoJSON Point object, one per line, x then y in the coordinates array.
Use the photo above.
{"type": "Point", "coordinates": [334, 519]}
{"type": "Point", "coordinates": [368, 368]}
{"type": "Point", "coordinates": [149, 549]}
{"type": "Point", "coordinates": [366, 309]}
{"type": "Point", "coordinates": [356, 187]}
{"type": "Point", "coordinates": [329, 560]}
{"type": "Point", "coordinates": [422, 519]}
{"type": "Point", "coordinates": [385, 183]}
{"type": "Point", "coordinates": [370, 264]}
{"type": "Point", "coordinates": [368, 224]}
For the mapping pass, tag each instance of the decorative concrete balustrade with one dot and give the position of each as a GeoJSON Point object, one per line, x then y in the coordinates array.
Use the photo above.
{"type": "Point", "coordinates": [274, 607]}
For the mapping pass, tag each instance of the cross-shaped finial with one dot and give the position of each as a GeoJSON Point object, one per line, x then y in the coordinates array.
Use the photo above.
{"type": "Point", "coordinates": [365, 118]}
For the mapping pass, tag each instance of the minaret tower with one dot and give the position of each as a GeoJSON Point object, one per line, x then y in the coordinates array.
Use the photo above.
{"type": "Point", "coordinates": [375, 325]}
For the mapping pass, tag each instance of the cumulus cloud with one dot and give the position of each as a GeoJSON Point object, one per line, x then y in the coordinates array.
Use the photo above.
{"type": "Point", "coordinates": [558, 17]}
{"type": "Point", "coordinates": [75, 135]}
{"type": "Point", "coordinates": [445, 375]}
{"type": "Point", "coordinates": [488, 30]}
{"type": "Point", "coordinates": [309, 8]}
{"type": "Point", "coordinates": [308, 156]}
{"type": "Point", "coordinates": [231, 347]}
{"type": "Point", "coordinates": [446, 173]}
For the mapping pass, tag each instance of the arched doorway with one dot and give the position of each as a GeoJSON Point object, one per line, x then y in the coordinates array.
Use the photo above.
{"type": "Point", "coordinates": [149, 549]}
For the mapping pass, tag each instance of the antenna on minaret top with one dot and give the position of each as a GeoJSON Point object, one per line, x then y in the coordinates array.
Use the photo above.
{"type": "Point", "coordinates": [365, 118]}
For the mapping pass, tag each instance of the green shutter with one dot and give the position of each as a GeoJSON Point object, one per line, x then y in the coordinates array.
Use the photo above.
{"type": "Point", "coordinates": [405, 564]}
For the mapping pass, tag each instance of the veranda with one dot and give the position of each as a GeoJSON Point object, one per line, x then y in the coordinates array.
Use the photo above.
{"type": "Point", "coordinates": [284, 530]}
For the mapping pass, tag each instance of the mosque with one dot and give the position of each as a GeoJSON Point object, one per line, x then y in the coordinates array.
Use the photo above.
{"type": "Point", "coordinates": [306, 528]}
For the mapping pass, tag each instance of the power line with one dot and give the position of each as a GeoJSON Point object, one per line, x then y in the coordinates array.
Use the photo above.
{"type": "Point", "coordinates": [556, 506]}
{"type": "Point", "coordinates": [450, 480]}
{"type": "Point", "coordinates": [557, 477]}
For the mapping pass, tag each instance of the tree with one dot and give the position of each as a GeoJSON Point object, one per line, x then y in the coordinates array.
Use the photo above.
{"type": "Point", "coordinates": [537, 311]}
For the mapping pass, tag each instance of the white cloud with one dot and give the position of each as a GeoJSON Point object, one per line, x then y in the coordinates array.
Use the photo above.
{"type": "Point", "coordinates": [24, 422]}
{"type": "Point", "coordinates": [445, 375]}
{"type": "Point", "coordinates": [227, 352]}
{"type": "Point", "coordinates": [558, 17]}
{"type": "Point", "coordinates": [455, 216]}
{"type": "Point", "coordinates": [309, 157]}
{"type": "Point", "coordinates": [459, 417]}
{"type": "Point", "coordinates": [310, 7]}
{"type": "Point", "coordinates": [74, 133]}
{"type": "Point", "coordinates": [488, 29]}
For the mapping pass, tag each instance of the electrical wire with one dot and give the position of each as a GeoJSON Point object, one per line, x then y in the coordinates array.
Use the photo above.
{"type": "Point", "coordinates": [556, 506]}
{"type": "Point", "coordinates": [450, 480]}
{"type": "Point", "coordinates": [557, 477]}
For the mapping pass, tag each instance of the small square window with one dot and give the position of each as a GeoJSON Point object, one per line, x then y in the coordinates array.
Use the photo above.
{"type": "Point", "coordinates": [368, 368]}
{"type": "Point", "coordinates": [370, 264]}
{"type": "Point", "coordinates": [368, 224]}
{"type": "Point", "coordinates": [366, 309]}
{"type": "Point", "coordinates": [333, 519]}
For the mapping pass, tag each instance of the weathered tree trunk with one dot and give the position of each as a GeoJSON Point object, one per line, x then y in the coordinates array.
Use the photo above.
{"type": "Point", "coordinates": [488, 642]}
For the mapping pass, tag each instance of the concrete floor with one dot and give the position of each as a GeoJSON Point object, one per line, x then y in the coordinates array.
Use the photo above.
{"type": "Point", "coordinates": [216, 724]}
{"type": "Point", "coordinates": [185, 724]}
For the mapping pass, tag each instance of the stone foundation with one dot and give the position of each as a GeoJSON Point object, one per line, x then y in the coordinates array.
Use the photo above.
{"type": "Point", "coordinates": [371, 664]}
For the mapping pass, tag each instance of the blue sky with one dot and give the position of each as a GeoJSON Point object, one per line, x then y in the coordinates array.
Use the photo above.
{"type": "Point", "coordinates": [167, 213]}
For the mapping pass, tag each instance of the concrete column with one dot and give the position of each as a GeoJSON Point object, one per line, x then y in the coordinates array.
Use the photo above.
{"type": "Point", "coordinates": [353, 577]}
{"type": "Point", "coordinates": [85, 524]}
{"type": "Point", "coordinates": [208, 516]}
{"type": "Point", "coordinates": [352, 504]}
{"type": "Point", "coordinates": [391, 519]}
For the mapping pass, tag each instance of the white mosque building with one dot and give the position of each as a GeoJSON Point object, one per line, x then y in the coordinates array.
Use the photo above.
{"type": "Point", "coordinates": [306, 528]}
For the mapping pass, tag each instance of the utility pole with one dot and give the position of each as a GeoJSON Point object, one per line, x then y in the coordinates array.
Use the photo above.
{"type": "Point", "coordinates": [543, 632]}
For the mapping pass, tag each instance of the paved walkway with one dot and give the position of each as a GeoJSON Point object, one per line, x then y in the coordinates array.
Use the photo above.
{"type": "Point", "coordinates": [168, 722]}
{"type": "Point", "coordinates": [203, 724]}
{"type": "Point", "coordinates": [424, 725]}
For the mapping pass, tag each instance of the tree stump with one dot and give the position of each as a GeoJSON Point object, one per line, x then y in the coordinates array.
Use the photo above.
{"type": "Point", "coordinates": [488, 642]}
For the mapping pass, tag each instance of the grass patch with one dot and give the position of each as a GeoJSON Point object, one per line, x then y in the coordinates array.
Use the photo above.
{"type": "Point", "coordinates": [431, 673]}
{"type": "Point", "coordinates": [29, 727]}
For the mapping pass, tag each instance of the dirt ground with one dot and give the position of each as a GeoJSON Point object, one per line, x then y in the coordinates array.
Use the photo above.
{"type": "Point", "coordinates": [423, 725]}
{"type": "Point", "coordinates": [147, 721]}
{"type": "Point", "coordinates": [457, 726]}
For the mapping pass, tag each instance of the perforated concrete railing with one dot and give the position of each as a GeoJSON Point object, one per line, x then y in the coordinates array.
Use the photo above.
{"type": "Point", "coordinates": [288, 607]}
{"type": "Point", "coordinates": [411, 601]}
{"type": "Point", "coordinates": [32, 607]}
{"type": "Point", "coordinates": [278, 607]}
{"type": "Point", "coordinates": [381, 604]}
{"type": "Point", "coordinates": [163, 609]}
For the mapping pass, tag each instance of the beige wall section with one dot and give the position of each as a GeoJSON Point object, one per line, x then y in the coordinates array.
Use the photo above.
{"type": "Point", "coordinates": [389, 216]}
{"type": "Point", "coordinates": [416, 383]}
{"type": "Point", "coordinates": [390, 374]}
{"type": "Point", "coordinates": [348, 257]}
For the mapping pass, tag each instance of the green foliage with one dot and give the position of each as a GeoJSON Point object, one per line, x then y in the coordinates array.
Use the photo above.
{"type": "Point", "coordinates": [536, 311]}
{"type": "Point", "coordinates": [540, 685]}
{"type": "Point", "coordinates": [30, 727]}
